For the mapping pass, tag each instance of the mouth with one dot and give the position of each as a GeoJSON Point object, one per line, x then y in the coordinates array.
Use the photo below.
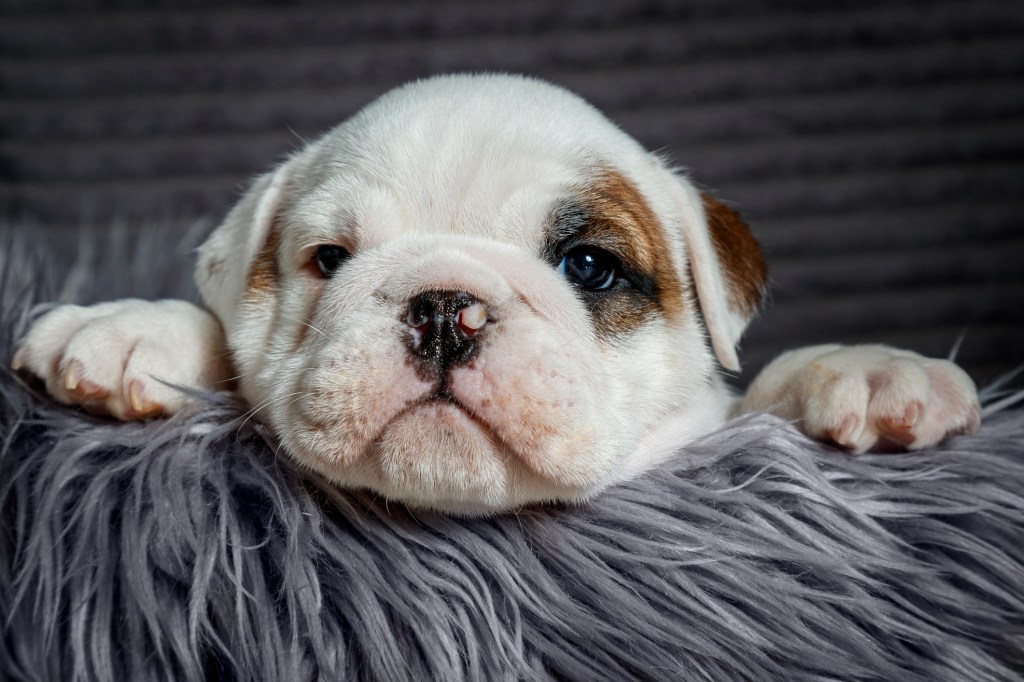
{"type": "Point", "coordinates": [446, 408]}
{"type": "Point", "coordinates": [437, 449]}
{"type": "Point", "coordinates": [443, 444]}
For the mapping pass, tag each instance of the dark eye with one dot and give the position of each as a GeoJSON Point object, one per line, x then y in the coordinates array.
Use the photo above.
{"type": "Point", "coordinates": [329, 258]}
{"type": "Point", "coordinates": [590, 267]}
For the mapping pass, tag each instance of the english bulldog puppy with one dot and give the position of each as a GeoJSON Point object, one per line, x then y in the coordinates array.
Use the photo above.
{"type": "Point", "coordinates": [479, 293]}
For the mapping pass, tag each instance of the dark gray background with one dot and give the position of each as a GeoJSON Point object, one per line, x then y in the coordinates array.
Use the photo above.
{"type": "Point", "coordinates": [875, 146]}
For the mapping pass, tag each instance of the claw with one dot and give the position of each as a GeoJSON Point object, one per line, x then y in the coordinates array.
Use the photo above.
{"type": "Point", "coordinates": [140, 406]}
{"type": "Point", "coordinates": [73, 375]}
{"type": "Point", "coordinates": [135, 396]}
{"type": "Point", "coordinates": [18, 361]}
{"type": "Point", "coordinates": [973, 420]}
{"type": "Point", "coordinates": [900, 430]}
{"type": "Point", "coordinates": [75, 382]}
{"type": "Point", "coordinates": [896, 432]}
{"type": "Point", "coordinates": [912, 414]}
{"type": "Point", "coordinates": [844, 434]}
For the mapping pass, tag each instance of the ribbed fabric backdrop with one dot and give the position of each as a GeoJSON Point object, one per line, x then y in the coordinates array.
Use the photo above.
{"type": "Point", "coordinates": [875, 146]}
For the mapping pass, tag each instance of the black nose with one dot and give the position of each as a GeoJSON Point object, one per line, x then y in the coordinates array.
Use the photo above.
{"type": "Point", "coordinates": [444, 326]}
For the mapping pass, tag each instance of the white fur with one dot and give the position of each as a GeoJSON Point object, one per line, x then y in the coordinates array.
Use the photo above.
{"type": "Point", "coordinates": [448, 184]}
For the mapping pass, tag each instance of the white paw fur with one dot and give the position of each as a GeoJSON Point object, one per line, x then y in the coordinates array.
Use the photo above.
{"type": "Point", "coordinates": [867, 397]}
{"type": "Point", "coordinates": [117, 358]}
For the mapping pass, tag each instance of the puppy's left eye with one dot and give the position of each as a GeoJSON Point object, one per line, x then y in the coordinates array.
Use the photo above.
{"type": "Point", "coordinates": [329, 258]}
{"type": "Point", "coordinates": [590, 267]}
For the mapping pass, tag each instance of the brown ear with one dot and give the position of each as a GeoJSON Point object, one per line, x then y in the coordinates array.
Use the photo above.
{"type": "Point", "coordinates": [727, 269]}
{"type": "Point", "coordinates": [739, 256]}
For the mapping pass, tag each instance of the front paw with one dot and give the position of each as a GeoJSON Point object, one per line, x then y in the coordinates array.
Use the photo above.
{"type": "Point", "coordinates": [869, 397]}
{"type": "Point", "coordinates": [118, 358]}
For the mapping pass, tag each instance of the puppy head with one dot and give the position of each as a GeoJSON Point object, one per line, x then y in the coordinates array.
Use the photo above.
{"type": "Point", "coordinates": [477, 293]}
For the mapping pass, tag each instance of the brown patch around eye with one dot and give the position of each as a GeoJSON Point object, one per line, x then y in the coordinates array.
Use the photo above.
{"type": "Point", "coordinates": [739, 255]}
{"type": "Point", "coordinates": [264, 272]}
{"type": "Point", "coordinates": [613, 215]}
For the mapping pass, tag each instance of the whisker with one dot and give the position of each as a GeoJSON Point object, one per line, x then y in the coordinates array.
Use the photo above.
{"type": "Point", "coordinates": [307, 323]}
{"type": "Point", "coordinates": [263, 404]}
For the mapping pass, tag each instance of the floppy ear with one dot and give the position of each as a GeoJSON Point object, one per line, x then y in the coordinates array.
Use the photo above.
{"type": "Point", "coordinates": [229, 262]}
{"type": "Point", "coordinates": [727, 267]}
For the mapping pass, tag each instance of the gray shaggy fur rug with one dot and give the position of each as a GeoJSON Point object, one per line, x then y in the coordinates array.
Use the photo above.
{"type": "Point", "coordinates": [186, 550]}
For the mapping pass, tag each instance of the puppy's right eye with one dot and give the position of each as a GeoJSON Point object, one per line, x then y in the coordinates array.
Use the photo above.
{"type": "Point", "coordinates": [590, 267]}
{"type": "Point", "coordinates": [328, 258]}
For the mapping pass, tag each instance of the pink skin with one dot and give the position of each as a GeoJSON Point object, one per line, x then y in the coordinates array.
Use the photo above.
{"type": "Point", "coordinates": [530, 396]}
{"type": "Point", "coordinates": [376, 398]}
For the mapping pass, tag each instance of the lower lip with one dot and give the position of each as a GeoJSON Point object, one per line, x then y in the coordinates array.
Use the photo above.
{"type": "Point", "coordinates": [448, 412]}
{"type": "Point", "coordinates": [441, 406]}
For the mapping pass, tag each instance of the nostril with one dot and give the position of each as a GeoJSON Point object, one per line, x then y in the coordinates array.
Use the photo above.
{"type": "Point", "coordinates": [437, 307]}
{"type": "Point", "coordinates": [418, 317]}
{"type": "Point", "coordinates": [472, 318]}
{"type": "Point", "coordinates": [421, 310]}
{"type": "Point", "coordinates": [443, 326]}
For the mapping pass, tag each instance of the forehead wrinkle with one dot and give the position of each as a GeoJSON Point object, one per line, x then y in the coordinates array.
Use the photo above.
{"type": "Point", "coordinates": [522, 215]}
{"type": "Point", "coordinates": [497, 191]}
{"type": "Point", "coordinates": [377, 215]}
{"type": "Point", "coordinates": [354, 210]}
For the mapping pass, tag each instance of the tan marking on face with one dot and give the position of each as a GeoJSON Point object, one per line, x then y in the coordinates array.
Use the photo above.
{"type": "Point", "coordinates": [264, 272]}
{"type": "Point", "coordinates": [301, 331]}
{"type": "Point", "coordinates": [620, 217]}
{"type": "Point", "coordinates": [739, 254]}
